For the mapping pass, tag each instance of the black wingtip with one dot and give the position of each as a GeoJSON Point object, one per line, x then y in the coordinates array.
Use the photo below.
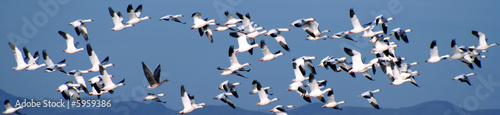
{"type": "Point", "coordinates": [311, 78]}
{"type": "Point", "coordinates": [62, 33]}
{"type": "Point", "coordinates": [111, 11]}
{"type": "Point", "coordinates": [351, 13]}
{"type": "Point", "coordinates": [231, 51]}
{"type": "Point", "coordinates": [192, 15]}
{"type": "Point", "coordinates": [89, 49]}
{"type": "Point", "coordinates": [234, 34]}
{"type": "Point", "coordinates": [475, 33]}
{"type": "Point", "coordinates": [453, 43]}
{"type": "Point", "coordinates": [182, 90]}
{"type": "Point", "coordinates": [348, 51]}
{"type": "Point", "coordinates": [130, 8]}
{"type": "Point", "coordinates": [433, 44]}
{"type": "Point", "coordinates": [239, 15]}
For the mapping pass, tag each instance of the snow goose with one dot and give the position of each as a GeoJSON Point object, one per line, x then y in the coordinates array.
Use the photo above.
{"type": "Point", "coordinates": [381, 44]}
{"type": "Point", "coordinates": [199, 22]}
{"type": "Point", "coordinates": [276, 34]}
{"type": "Point", "coordinates": [68, 91]}
{"type": "Point", "coordinates": [153, 79]}
{"type": "Point", "coordinates": [230, 19]}
{"type": "Point", "coordinates": [187, 102]}
{"type": "Point", "coordinates": [460, 53]}
{"type": "Point", "coordinates": [315, 89]}
{"type": "Point", "coordinates": [9, 109]}
{"type": "Point", "coordinates": [96, 86]}
{"type": "Point", "coordinates": [298, 23]}
{"type": "Point", "coordinates": [235, 65]}
{"type": "Point", "coordinates": [303, 62]}
{"type": "Point", "coordinates": [398, 78]}
{"type": "Point", "coordinates": [173, 18]}
{"type": "Point", "coordinates": [263, 96]}
{"type": "Point", "coordinates": [224, 98]}
{"type": "Point", "coordinates": [330, 101]}
{"type": "Point", "coordinates": [280, 109]}
{"type": "Point", "coordinates": [255, 34]}
{"type": "Point", "coordinates": [21, 64]}
{"type": "Point", "coordinates": [243, 45]}
{"type": "Point", "coordinates": [357, 64]}
{"type": "Point", "coordinates": [342, 34]}
{"type": "Point", "coordinates": [357, 28]}
{"type": "Point", "coordinates": [32, 60]}
{"type": "Point", "coordinates": [482, 41]}
{"type": "Point", "coordinates": [135, 14]}
{"type": "Point", "coordinates": [312, 30]}
{"type": "Point", "coordinates": [380, 19]}
{"type": "Point", "coordinates": [229, 87]}
{"type": "Point", "coordinates": [464, 77]}
{"type": "Point", "coordinates": [224, 28]}
{"type": "Point", "coordinates": [152, 96]}
{"type": "Point", "coordinates": [401, 34]}
{"type": "Point", "coordinates": [207, 31]}
{"type": "Point", "coordinates": [109, 86]}
{"type": "Point", "coordinates": [79, 79]}
{"type": "Point", "coordinates": [94, 60]}
{"type": "Point", "coordinates": [475, 55]}
{"type": "Point", "coordinates": [298, 87]}
{"type": "Point", "coordinates": [369, 96]}
{"type": "Point", "coordinates": [255, 85]}
{"type": "Point", "coordinates": [80, 27]}
{"type": "Point", "coordinates": [70, 43]}
{"type": "Point", "coordinates": [268, 56]}
{"type": "Point", "coordinates": [51, 67]}
{"type": "Point", "coordinates": [299, 73]}
{"type": "Point", "coordinates": [117, 20]}
{"type": "Point", "coordinates": [435, 54]}
{"type": "Point", "coordinates": [248, 25]}
{"type": "Point", "coordinates": [370, 33]}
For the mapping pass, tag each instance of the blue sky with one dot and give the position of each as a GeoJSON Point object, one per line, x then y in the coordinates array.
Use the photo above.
{"type": "Point", "coordinates": [190, 60]}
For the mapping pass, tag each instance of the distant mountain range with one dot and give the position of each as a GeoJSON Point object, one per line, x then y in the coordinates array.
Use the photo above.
{"type": "Point", "coordinates": [136, 108]}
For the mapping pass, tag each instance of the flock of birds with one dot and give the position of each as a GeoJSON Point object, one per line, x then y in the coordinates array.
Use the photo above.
{"type": "Point", "coordinates": [244, 28]}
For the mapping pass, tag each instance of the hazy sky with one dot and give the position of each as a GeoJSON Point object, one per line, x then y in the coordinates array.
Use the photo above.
{"type": "Point", "coordinates": [190, 60]}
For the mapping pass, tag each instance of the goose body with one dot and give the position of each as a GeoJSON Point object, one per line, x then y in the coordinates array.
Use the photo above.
{"type": "Point", "coordinates": [9, 109]}
{"type": "Point", "coordinates": [173, 18]}
{"type": "Point", "coordinates": [276, 34]}
{"type": "Point", "coordinates": [331, 103]}
{"type": "Point", "coordinates": [464, 78]}
{"type": "Point", "coordinates": [32, 60]}
{"type": "Point", "coordinates": [268, 56]}
{"type": "Point", "coordinates": [357, 28]}
{"type": "Point", "coordinates": [243, 45]}
{"type": "Point", "coordinates": [315, 89]}
{"type": "Point", "coordinates": [109, 86]}
{"type": "Point", "coordinates": [235, 65]}
{"type": "Point", "coordinates": [434, 55]}
{"type": "Point", "coordinates": [134, 15]}
{"type": "Point", "coordinates": [199, 22]}
{"type": "Point", "coordinates": [21, 64]}
{"type": "Point", "coordinates": [188, 102]}
{"type": "Point", "coordinates": [94, 60]}
{"type": "Point", "coordinates": [51, 67]}
{"type": "Point", "coordinates": [153, 79]}
{"type": "Point", "coordinates": [152, 96]}
{"type": "Point", "coordinates": [368, 95]}
{"type": "Point", "coordinates": [117, 20]}
{"type": "Point", "coordinates": [80, 27]}
{"type": "Point", "coordinates": [70, 44]}
{"type": "Point", "coordinates": [481, 37]}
